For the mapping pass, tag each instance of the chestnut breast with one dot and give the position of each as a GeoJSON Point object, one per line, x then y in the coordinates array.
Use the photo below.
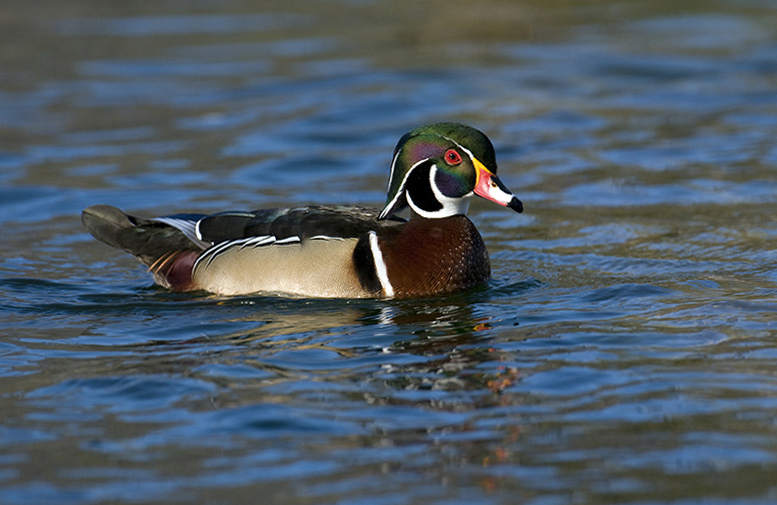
{"type": "Point", "coordinates": [431, 256]}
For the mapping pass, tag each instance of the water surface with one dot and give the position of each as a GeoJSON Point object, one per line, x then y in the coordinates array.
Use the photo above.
{"type": "Point", "coordinates": [623, 353]}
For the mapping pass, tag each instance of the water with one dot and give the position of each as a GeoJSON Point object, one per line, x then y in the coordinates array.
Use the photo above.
{"type": "Point", "coordinates": [623, 353]}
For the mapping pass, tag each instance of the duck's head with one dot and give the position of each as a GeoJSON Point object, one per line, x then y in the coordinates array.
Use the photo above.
{"type": "Point", "coordinates": [437, 168]}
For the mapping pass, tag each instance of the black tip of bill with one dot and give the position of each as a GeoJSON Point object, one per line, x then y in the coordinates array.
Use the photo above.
{"type": "Point", "coordinates": [516, 205]}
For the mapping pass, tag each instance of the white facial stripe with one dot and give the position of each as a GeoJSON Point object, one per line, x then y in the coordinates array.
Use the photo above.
{"type": "Point", "coordinates": [497, 193]}
{"type": "Point", "coordinates": [450, 206]}
{"type": "Point", "coordinates": [393, 165]}
{"type": "Point", "coordinates": [469, 153]}
{"type": "Point", "coordinates": [458, 205]}
{"type": "Point", "coordinates": [380, 265]}
{"type": "Point", "coordinates": [400, 190]}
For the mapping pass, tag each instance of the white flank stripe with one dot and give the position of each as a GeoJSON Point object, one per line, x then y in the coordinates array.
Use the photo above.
{"type": "Point", "coordinates": [255, 241]}
{"type": "Point", "coordinates": [188, 228]}
{"type": "Point", "coordinates": [380, 265]}
{"type": "Point", "coordinates": [208, 256]}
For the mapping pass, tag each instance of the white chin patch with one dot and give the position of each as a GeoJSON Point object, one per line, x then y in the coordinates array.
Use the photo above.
{"type": "Point", "coordinates": [450, 206]}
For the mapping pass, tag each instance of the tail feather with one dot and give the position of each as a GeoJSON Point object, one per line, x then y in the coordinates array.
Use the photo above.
{"type": "Point", "coordinates": [166, 250]}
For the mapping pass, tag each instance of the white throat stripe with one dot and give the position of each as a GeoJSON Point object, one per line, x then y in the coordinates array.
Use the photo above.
{"type": "Point", "coordinates": [380, 265]}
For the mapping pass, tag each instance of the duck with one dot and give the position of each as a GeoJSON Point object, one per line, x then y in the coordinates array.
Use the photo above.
{"type": "Point", "coordinates": [331, 251]}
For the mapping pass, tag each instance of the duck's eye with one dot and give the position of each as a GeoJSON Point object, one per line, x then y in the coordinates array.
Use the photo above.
{"type": "Point", "coordinates": [452, 157]}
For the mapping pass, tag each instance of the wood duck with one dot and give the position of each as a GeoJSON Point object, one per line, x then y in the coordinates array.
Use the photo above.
{"type": "Point", "coordinates": [334, 251]}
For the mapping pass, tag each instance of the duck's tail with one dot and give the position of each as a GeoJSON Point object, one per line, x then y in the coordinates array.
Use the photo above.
{"type": "Point", "coordinates": [165, 249]}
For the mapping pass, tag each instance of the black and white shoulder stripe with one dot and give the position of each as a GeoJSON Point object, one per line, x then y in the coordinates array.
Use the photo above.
{"type": "Point", "coordinates": [206, 258]}
{"type": "Point", "coordinates": [187, 226]}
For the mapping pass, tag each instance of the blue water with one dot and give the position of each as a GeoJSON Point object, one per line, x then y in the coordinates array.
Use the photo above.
{"type": "Point", "coordinates": [624, 351]}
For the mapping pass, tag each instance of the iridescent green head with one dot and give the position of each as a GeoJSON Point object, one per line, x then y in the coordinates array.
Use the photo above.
{"type": "Point", "coordinates": [438, 167]}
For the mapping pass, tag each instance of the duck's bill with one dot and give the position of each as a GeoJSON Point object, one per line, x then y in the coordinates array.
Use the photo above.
{"type": "Point", "coordinates": [488, 186]}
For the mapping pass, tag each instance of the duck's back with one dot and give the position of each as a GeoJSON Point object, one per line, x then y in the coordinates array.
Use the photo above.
{"type": "Point", "coordinates": [305, 251]}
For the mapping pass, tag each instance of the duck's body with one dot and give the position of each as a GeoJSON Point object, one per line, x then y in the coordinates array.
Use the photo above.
{"type": "Point", "coordinates": [333, 252]}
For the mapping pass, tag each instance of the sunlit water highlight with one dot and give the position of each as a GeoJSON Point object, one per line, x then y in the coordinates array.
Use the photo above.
{"type": "Point", "coordinates": [623, 353]}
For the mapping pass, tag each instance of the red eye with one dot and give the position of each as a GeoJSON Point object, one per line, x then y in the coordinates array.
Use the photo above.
{"type": "Point", "coordinates": [452, 157]}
